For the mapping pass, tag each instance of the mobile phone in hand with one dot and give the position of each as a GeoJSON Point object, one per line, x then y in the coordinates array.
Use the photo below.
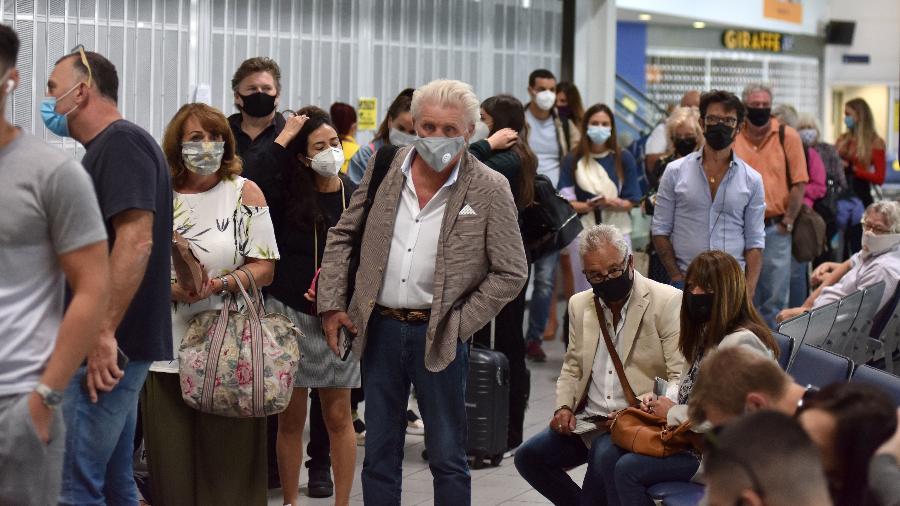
{"type": "Point", "coordinates": [659, 386]}
{"type": "Point", "coordinates": [598, 198]}
{"type": "Point", "coordinates": [121, 361]}
{"type": "Point", "coordinates": [345, 342]}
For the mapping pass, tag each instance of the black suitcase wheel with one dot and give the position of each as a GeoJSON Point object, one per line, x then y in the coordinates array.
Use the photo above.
{"type": "Point", "coordinates": [478, 463]}
{"type": "Point", "coordinates": [425, 454]}
{"type": "Point", "coordinates": [496, 459]}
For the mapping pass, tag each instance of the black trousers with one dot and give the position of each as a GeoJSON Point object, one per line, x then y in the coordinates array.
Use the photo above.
{"type": "Point", "coordinates": [509, 339]}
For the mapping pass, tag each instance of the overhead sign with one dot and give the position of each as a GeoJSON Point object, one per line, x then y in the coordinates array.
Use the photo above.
{"type": "Point", "coordinates": [784, 10]}
{"type": "Point", "coordinates": [855, 58]}
{"type": "Point", "coordinates": [367, 117]}
{"type": "Point", "coordinates": [747, 40]}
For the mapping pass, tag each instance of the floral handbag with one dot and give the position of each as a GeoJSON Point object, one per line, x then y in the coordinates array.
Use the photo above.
{"type": "Point", "coordinates": [239, 364]}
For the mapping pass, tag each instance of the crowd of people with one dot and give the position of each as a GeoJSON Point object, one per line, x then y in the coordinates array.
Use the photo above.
{"type": "Point", "coordinates": [389, 258]}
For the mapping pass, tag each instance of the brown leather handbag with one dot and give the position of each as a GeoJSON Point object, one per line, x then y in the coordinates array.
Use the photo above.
{"type": "Point", "coordinates": [188, 270]}
{"type": "Point", "coordinates": [638, 431]}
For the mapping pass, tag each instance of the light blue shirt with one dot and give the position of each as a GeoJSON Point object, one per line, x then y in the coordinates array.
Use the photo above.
{"type": "Point", "coordinates": [544, 142]}
{"type": "Point", "coordinates": [686, 212]}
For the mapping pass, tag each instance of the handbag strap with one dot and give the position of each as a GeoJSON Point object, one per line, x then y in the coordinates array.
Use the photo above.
{"type": "Point", "coordinates": [256, 346]}
{"type": "Point", "coordinates": [617, 363]}
{"type": "Point", "coordinates": [216, 337]}
{"type": "Point", "coordinates": [255, 293]}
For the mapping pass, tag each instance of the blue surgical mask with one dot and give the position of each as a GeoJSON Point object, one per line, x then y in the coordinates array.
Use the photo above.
{"type": "Point", "coordinates": [848, 121]}
{"type": "Point", "coordinates": [54, 121]}
{"type": "Point", "coordinates": [599, 134]}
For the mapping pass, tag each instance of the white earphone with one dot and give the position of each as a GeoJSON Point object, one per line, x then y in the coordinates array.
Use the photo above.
{"type": "Point", "coordinates": [10, 84]}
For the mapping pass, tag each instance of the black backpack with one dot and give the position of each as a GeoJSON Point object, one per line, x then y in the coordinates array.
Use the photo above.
{"type": "Point", "coordinates": [550, 223]}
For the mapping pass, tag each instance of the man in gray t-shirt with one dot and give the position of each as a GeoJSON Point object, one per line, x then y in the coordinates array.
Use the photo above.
{"type": "Point", "coordinates": [50, 231]}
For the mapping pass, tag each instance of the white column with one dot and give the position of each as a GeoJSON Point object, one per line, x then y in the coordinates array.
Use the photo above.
{"type": "Point", "coordinates": [595, 50]}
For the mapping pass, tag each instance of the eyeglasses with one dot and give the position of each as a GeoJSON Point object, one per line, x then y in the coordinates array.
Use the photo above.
{"type": "Point", "coordinates": [84, 61]}
{"type": "Point", "coordinates": [875, 229]}
{"type": "Point", "coordinates": [596, 277]}
{"type": "Point", "coordinates": [711, 120]}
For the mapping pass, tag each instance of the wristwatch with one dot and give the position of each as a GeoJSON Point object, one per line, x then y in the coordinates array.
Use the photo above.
{"type": "Point", "coordinates": [51, 398]}
{"type": "Point", "coordinates": [788, 226]}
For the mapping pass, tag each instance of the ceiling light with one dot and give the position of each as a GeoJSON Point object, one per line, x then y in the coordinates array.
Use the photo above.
{"type": "Point", "coordinates": [644, 17]}
{"type": "Point", "coordinates": [699, 24]}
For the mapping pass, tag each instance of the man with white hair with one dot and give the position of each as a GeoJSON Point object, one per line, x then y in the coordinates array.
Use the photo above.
{"type": "Point", "coordinates": [639, 319]}
{"type": "Point", "coordinates": [441, 254]}
{"type": "Point", "coordinates": [879, 260]}
{"type": "Point", "coordinates": [776, 152]}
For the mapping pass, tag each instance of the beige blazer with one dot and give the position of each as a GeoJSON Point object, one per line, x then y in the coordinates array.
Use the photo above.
{"type": "Point", "coordinates": [648, 346]}
{"type": "Point", "coordinates": [480, 264]}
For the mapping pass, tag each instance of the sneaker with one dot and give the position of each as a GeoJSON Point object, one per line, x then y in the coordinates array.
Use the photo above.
{"type": "Point", "coordinates": [534, 352]}
{"type": "Point", "coordinates": [359, 427]}
{"type": "Point", "coordinates": [414, 424]}
{"type": "Point", "coordinates": [320, 484]}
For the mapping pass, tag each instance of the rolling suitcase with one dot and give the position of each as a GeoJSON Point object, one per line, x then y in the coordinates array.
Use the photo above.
{"type": "Point", "coordinates": [487, 406]}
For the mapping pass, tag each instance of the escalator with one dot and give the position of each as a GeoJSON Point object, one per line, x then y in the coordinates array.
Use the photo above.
{"type": "Point", "coordinates": [636, 113]}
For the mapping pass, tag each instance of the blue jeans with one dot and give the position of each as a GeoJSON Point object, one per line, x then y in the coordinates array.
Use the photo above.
{"type": "Point", "coordinates": [775, 277]}
{"type": "Point", "coordinates": [100, 441]}
{"type": "Point", "coordinates": [614, 476]}
{"type": "Point", "coordinates": [395, 357]}
{"type": "Point", "coordinates": [799, 283]}
{"type": "Point", "coordinates": [544, 275]}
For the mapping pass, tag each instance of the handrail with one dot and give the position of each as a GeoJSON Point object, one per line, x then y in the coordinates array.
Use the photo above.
{"type": "Point", "coordinates": [647, 124]}
{"type": "Point", "coordinates": [634, 89]}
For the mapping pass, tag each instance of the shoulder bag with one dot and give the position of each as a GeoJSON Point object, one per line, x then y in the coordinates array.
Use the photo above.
{"type": "Point", "coordinates": [550, 223]}
{"type": "Point", "coordinates": [635, 430]}
{"type": "Point", "coordinates": [808, 237]}
{"type": "Point", "coordinates": [239, 363]}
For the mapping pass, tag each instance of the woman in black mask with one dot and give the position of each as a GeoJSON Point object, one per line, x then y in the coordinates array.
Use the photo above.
{"type": "Point", "coordinates": [684, 136]}
{"type": "Point", "coordinates": [715, 312]}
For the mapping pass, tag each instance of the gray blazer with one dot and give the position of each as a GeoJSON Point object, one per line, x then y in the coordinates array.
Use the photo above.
{"type": "Point", "coordinates": [480, 263]}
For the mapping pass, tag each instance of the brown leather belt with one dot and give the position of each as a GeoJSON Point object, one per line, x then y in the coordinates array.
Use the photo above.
{"type": "Point", "coordinates": [404, 315]}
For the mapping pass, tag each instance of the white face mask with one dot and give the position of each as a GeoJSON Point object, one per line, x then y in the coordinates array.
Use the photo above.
{"type": "Point", "coordinates": [876, 244]}
{"type": "Point", "coordinates": [327, 163]}
{"type": "Point", "coordinates": [545, 100]}
{"type": "Point", "coordinates": [400, 139]}
{"type": "Point", "coordinates": [481, 132]}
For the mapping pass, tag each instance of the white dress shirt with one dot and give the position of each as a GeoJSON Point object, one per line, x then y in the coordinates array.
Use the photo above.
{"type": "Point", "coordinates": [409, 276]}
{"type": "Point", "coordinates": [605, 393]}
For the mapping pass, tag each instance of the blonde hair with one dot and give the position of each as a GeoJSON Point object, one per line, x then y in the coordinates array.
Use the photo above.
{"type": "Point", "coordinates": [448, 92]}
{"type": "Point", "coordinates": [689, 116]}
{"type": "Point", "coordinates": [864, 134]}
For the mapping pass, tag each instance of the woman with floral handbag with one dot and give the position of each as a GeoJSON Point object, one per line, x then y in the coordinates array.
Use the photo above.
{"type": "Point", "coordinates": [196, 457]}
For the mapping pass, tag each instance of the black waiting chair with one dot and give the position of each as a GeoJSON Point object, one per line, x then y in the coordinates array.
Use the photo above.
{"type": "Point", "coordinates": [886, 381]}
{"type": "Point", "coordinates": [818, 367]}
{"type": "Point", "coordinates": [858, 348]}
{"type": "Point", "coordinates": [843, 321]}
{"type": "Point", "coordinates": [890, 339]}
{"type": "Point", "coordinates": [795, 328]}
{"type": "Point", "coordinates": [821, 319]}
{"type": "Point", "coordinates": [786, 346]}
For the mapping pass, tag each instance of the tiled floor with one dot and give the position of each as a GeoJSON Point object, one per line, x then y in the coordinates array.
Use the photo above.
{"type": "Point", "coordinates": [490, 485]}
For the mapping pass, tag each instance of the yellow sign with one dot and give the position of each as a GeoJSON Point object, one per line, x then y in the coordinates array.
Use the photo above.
{"type": "Point", "coordinates": [629, 103]}
{"type": "Point", "coordinates": [784, 10]}
{"type": "Point", "coordinates": [367, 115]}
{"type": "Point", "coordinates": [771, 42]}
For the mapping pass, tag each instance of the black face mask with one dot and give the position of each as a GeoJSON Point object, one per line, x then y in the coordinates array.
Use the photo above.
{"type": "Point", "coordinates": [699, 306]}
{"type": "Point", "coordinates": [685, 146]}
{"type": "Point", "coordinates": [759, 116]}
{"type": "Point", "coordinates": [615, 289]}
{"type": "Point", "coordinates": [258, 105]}
{"type": "Point", "coordinates": [719, 136]}
{"type": "Point", "coordinates": [564, 111]}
